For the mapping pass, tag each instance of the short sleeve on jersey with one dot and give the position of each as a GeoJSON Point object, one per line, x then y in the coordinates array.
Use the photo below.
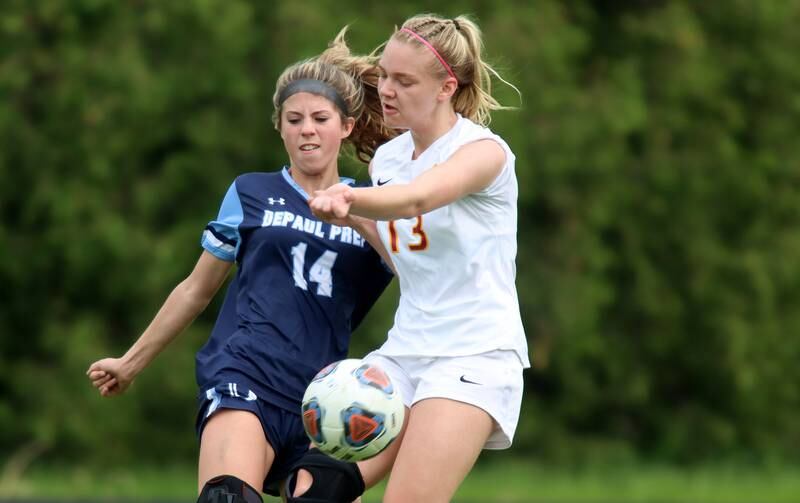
{"type": "Point", "coordinates": [506, 174]}
{"type": "Point", "coordinates": [471, 133]}
{"type": "Point", "coordinates": [221, 236]}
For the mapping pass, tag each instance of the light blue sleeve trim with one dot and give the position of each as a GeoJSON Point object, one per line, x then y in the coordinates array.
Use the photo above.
{"type": "Point", "coordinates": [221, 236]}
{"type": "Point", "coordinates": [286, 176]}
{"type": "Point", "coordinates": [290, 181]}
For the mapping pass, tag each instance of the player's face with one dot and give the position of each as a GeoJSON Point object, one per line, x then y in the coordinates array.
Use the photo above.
{"type": "Point", "coordinates": [312, 130]}
{"type": "Point", "coordinates": [408, 88]}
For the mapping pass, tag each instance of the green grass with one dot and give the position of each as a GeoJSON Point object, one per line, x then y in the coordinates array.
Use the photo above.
{"type": "Point", "coordinates": [498, 482]}
{"type": "Point", "coordinates": [532, 483]}
{"type": "Point", "coordinates": [139, 484]}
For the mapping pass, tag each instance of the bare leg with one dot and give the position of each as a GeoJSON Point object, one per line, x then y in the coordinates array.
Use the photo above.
{"type": "Point", "coordinates": [233, 443]}
{"type": "Point", "coordinates": [442, 441]}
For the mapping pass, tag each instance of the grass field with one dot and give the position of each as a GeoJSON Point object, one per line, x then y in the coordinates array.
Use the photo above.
{"type": "Point", "coordinates": [506, 483]}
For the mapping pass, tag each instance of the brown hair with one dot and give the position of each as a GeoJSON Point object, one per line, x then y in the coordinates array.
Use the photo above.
{"type": "Point", "coordinates": [355, 79]}
{"type": "Point", "coordinates": [459, 43]}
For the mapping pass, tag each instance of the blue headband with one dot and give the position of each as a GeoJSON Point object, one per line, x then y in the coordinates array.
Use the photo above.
{"type": "Point", "coordinates": [313, 86]}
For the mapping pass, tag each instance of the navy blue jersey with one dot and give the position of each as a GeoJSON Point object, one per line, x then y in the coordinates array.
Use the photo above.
{"type": "Point", "coordinates": [301, 288]}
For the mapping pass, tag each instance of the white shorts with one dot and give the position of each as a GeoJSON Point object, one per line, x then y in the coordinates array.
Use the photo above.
{"type": "Point", "coordinates": [491, 381]}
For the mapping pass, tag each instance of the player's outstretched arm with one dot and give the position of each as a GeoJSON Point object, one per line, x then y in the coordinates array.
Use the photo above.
{"type": "Point", "coordinates": [112, 376]}
{"type": "Point", "coordinates": [470, 169]}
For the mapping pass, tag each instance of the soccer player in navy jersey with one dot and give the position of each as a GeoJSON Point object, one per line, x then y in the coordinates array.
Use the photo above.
{"type": "Point", "coordinates": [301, 287]}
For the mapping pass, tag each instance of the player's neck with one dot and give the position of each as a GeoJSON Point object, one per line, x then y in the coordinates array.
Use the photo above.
{"type": "Point", "coordinates": [315, 181]}
{"type": "Point", "coordinates": [425, 135]}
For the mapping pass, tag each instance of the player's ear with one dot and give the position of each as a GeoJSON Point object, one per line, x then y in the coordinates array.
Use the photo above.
{"type": "Point", "coordinates": [347, 126]}
{"type": "Point", "coordinates": [448, 88]}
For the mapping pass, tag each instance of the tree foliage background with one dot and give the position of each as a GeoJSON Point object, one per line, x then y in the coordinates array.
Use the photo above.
{"type": "Point", "coordinates": [659, 257]}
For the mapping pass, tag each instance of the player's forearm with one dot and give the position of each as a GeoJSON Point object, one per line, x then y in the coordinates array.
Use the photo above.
{"type": "Point", "coordinates": [178, 311]}
{"type": "Point", "coordinates": [388, 203]}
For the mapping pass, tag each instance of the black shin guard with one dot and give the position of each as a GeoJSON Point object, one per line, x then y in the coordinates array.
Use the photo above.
{"type": "Point", "coordinates": [228, 489]}
{"type": "Point", "coordinates": [334, 481]}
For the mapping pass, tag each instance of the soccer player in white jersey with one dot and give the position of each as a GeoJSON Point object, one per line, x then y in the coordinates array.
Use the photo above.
{"type": "Point", "coordinates": [301, 287]}
{"type": "Point", "coordinates": [445, 196]}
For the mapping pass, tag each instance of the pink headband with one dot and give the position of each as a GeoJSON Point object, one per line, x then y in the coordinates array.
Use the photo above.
{"type": "Point", "coordinates": [433, 50]}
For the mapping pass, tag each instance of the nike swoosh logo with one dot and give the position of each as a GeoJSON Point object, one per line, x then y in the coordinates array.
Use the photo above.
{"type": "Point", "coordinates": [383, 182]}
{"type": "Point", "coordinates": [464, 379]}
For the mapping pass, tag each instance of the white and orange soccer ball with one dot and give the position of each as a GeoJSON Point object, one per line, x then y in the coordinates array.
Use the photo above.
{"type": "Point", "coordinates": [351, 410]}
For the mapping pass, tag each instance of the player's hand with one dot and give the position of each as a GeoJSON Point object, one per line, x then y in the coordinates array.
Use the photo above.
{"type": "Point", "coordinates": [332, 204]}
{"type": "Point", "coordinates": [110, 376]}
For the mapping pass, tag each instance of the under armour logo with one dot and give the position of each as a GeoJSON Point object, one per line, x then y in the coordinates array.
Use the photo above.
{"type": "Point", "coordinates": [280, 201]}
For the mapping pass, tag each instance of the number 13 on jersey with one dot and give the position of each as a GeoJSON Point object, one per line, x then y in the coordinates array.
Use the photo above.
{"type": "Point", "coordinates": [422, 238]}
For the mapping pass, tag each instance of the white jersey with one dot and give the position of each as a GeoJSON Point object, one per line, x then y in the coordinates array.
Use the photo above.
{"type": "Point", "coordinates": [456, 264]}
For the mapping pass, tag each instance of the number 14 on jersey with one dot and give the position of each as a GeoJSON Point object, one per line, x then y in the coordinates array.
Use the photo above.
{"type": "Point", "coordinates": [320, 272]}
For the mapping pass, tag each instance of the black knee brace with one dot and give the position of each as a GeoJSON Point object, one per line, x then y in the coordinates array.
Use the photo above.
{"type": "Point", "coordinates": [334, 481]}
{"type": "Point", "coordinates": [228, 489]}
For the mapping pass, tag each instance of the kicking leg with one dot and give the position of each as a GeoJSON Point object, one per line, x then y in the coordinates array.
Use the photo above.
{"type": "Point", "coordinates": [371, 471]}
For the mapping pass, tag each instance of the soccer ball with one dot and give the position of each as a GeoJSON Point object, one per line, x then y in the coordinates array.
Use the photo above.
{"type": "Point", "coordinates": [351, 410]}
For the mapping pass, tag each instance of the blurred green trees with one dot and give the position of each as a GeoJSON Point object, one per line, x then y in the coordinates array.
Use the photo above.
{"type": "Point", "coordinates": [659, 257]}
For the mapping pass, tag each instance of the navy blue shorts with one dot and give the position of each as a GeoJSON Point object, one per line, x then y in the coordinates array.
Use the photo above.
{"type": "Point", "coordinates": [283, 429]}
